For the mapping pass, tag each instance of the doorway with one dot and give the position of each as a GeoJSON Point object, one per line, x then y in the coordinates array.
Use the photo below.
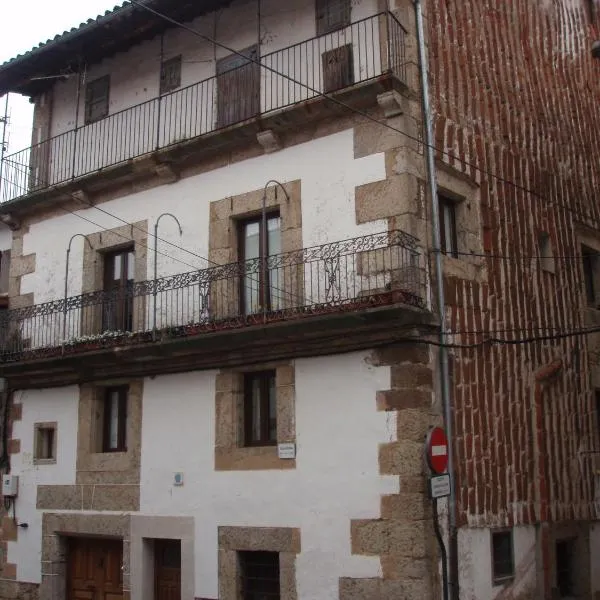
{"type": "Point", "coordinates": [167, 570]}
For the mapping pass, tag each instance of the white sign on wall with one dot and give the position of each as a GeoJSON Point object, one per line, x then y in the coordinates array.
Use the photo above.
{"type": "Point", "coordinates": [286, 451]}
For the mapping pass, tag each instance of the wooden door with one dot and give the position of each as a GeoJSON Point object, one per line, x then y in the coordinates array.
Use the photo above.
{"type": "Point", "coordinates": [167, 570]}
{"type": "Point", "coordinates": [94, 569]}
{"type": "Point", "coordinates": [238, 88]}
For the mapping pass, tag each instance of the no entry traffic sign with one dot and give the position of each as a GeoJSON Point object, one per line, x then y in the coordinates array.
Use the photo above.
{"type": "Point", "coordinates": [436, 448]}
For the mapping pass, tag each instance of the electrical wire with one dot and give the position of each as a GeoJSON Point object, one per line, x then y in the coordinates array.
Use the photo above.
{"type": "Point", "coordinates": [344, 105]}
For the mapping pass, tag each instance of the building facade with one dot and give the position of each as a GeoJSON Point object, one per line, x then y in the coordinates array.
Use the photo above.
{"type": "Point", "coordinates": [220, 353]}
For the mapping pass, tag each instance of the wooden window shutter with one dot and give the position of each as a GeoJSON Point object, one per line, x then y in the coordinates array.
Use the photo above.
{"type": "Point", "coordinates": [338, 68]}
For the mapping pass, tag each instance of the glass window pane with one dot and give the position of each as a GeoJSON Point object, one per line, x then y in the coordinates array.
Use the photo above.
{"type": "Point", "coordinates": [272, 410]}
{"type": "Point", "coordinates": [117, 264]}
{"type": "Point", "coordinates": [252, 241]}
{"type": "Point", "coordinates": [130, 265]}
{"type": "Point", "coordinates": [113, 423]}
{"type": "Point", "coordinates": [256, 412]}
{"type": "Point", "coordinates": [274, 235]}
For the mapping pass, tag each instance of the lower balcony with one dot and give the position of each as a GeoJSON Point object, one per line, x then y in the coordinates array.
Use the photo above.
{"type": "Point", "coordinates": [338, 297]}
{"type": "Point", "coordinates": [280, 94]}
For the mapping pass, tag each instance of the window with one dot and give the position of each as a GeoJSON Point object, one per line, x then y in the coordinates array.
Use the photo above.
{"type": "Point", "coordinates": [546, 257]}
{"type": "Point", "coordinates": [332, 15]}
{"type": "Point", "coordinates": [448, 238]}
{"type": "Point", "coordinates": [170, 75]}
{"type": "Point", "coordinates": [117, 307]}
{"type": "Point", "coordinates": [45, 442]}
{"type": "Point", "coordinates": [261, 287]}
{"type": "Point", "coordinates": [260, 409]}
{"type": "Point", "coordinates": [259, 575]}
{"type": "Point", "coordinates": [114, 425]}
{"type": "Point", "coordinates": [96, 99]}
{"type": "Point", "coordinates": [503, 568]}
{"type": "Point", "coordinates": [564, 568]}
{"type": "Point", "coordinates": [589, 261]}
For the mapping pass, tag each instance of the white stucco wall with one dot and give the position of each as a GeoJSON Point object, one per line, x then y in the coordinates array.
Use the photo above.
{"type": "Point", "coordinates": [5, 238]}
{"type": "Point", "coordinates": [336, 478]}
{"type": "Point", "coordinates": [56, 405]}
{"type": "Point", "coordinates": [475, 559]}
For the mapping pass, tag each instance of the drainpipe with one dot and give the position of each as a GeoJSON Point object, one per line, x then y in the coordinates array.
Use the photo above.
{"type": "Point", "coordinates": [452, 584]}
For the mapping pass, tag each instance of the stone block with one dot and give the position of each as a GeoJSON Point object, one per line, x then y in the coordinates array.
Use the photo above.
{"type": "Point", "coordinates": [401, 458]}
{"type": "Point", "coordinates": [359, 589]}
{"type": "Point", "coordinates": [399, 399]}
{"type": "Point", "coordinates": [406, 506]}
{"type": "Point", "coordinates": [396, 354]}
{"type": "Point", "coordinates": [413, 424]}
{"type": "Point", "coordinates": [412, 375]}
{"type": "Point", "coordinates": [271, 539]}
{"type": "Point", "coordinates": [396, 195]}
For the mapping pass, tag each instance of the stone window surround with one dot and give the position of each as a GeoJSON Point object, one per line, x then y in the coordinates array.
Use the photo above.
{"type": "Point", "coordinates": [36, 428]}
{"type": "Point", "coordinates": [146, 529]}
{"type": "Point", "coordinates": [104, 242]}
{"type": "Point", "coordinates": [230, 454]}
{"type": "Point", "coordinates": [108, 467]}
{"type": "Point", "coordinates": [226, 213]}
{"type": "Point", "coordinates": [284, 540]}
{"type": "Point", "coordinates": [465, 192]}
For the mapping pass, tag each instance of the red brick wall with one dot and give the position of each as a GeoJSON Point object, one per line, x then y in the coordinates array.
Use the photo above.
{"type": "Point", "coordinates": [517, 92]}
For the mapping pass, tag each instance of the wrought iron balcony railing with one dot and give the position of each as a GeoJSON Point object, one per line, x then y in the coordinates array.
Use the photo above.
{"type": "Point", "coordinates": [351, 275]}
{"type": "Point", "coordinates": [356, 54]}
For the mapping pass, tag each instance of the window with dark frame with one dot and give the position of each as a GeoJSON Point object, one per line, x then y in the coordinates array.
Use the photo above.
{"type": "Point", "coordinates": [114, 425]}
{"type": "Point", "coordinates": [260, 409]}
{"type": "Point", "coordinates": [448, 233]}
{"type": "Point", "coordinates": [565, 582]}
{"type": "Point", "coordinates": [170, 75]}
{"type": "Point", "coordinates": [589, 261]}
{"type": "Point", "coordinates": [261, 285]}
{"type": "Point", "coordinates": [259, 575]}
{"type": "Point", "coordinates": [96, 99]}
{"type": "Point", "coordinates": [332, 15]}
{"type": "Point", "coordinates": [45, 442]}
{"type": "Point", "coordinates": [503, 568]}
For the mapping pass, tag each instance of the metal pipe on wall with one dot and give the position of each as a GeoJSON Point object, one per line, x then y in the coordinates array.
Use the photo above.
{"type": "Point", "coordinates": [64, 335]}
{"type": "Point", "coordinates": [264, 245]}
{"type": "Point", "coordinates": [452, 584]}
{"type": "Point", "coordinates": [155, 291]}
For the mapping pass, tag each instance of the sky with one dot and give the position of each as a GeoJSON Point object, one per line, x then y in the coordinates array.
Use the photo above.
{"type": "Point", "coordinates": [19, 32]}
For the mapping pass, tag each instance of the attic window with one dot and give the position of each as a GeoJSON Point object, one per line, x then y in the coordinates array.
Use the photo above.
{"type": "Point", "coordinates": [96, 99]}
{"type": "Point", "coordinates": [332, 15]}
{"type": "Point", "coordinates": [170, 75]}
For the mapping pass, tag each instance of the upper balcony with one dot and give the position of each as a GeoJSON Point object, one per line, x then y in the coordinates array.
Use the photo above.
{"type": "Point", "coordinates": [338, 297]}
{"type": "Point", "coordinates": [353, 64]}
